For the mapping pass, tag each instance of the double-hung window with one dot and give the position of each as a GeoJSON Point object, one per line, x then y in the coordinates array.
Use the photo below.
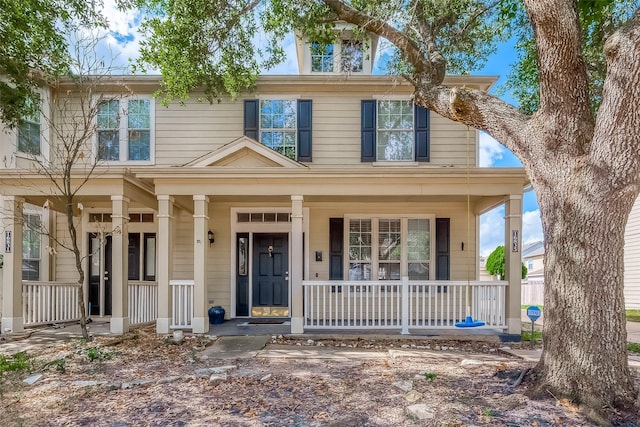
{"type": "Point", "coordinates": [395, 131]}
{"type": "Point", "coordinates": [391, 248]}
{"type": "Point", "coordinates": [29, 134]}
{"type": "Point", "coordinates": [125, 130]}
{"type": "Point", "coordinates": [284, 125]}
{"type": "Point", "coordinates": [278, 121]}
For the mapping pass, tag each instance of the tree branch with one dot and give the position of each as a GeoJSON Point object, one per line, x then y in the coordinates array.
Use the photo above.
{"type": "Point", "coordinates": [407, 46]}
{"type": "Point", "coordinates": [616, 152]}
{"type": "Point", "coordinates": [565, 107]}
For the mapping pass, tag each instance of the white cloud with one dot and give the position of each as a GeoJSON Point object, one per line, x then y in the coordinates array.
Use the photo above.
{"type": "Point", "coordinates": [490, 150]}
{"type": "Point", "coordinates": [290, 64]}
{"type": "Point", "coordinates": [491, 230]}
{"type": "Point", "coordinates": [531, 227]}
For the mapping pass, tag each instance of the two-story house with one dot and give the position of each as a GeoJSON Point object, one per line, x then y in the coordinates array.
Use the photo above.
{"type": "Point", "coordinates": [327, 198]}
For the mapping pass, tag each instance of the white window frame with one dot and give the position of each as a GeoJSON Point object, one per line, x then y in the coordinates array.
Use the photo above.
{"type": "Point", "coordinates": [322, 57]}
{"type": "Point", "coordinates": [342, 61]}
{"type": "Point", "coordinates": [44, 259]}
{"type": "Point", "coordinates": [123, 130]}
{"type": "Point", "coordinates": [404, 257]}
{"type": "Point", "coordinates": [294, 98]}
{"type": "Point", "coordinates": [380, 130]}
{"type": "Point", "coordinates": [43, 155]}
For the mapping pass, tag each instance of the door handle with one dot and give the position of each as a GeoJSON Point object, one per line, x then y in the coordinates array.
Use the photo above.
{"type": "Point", "coordinates": [286, 275]}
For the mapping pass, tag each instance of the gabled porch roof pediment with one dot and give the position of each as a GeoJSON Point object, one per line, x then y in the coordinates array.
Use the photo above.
{"type": "Point", "coordinates": [244, 152]}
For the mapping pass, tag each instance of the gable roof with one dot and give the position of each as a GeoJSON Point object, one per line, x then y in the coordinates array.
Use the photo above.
{"type": "Point", "coordinates": [244, 152]}
{"type": "Point", "coordinates": [534, 249]}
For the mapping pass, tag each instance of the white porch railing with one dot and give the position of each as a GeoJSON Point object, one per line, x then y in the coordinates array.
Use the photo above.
{"type": "Point", "coordinates": [143, 302]}
{"type": "Point", "coordinates": [49, 302]}
{"type": "Point", "coordinates": [182, 297]}
{"type": "Point", "coordinates": [402, 304]}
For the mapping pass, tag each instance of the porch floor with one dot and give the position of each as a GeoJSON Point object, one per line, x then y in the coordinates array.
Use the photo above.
{"type": "Point", "coordinates": [242, 327]}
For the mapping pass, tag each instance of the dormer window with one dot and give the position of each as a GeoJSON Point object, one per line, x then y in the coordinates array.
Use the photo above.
{"type": "Point", "coordinates": [351, 57]}
{"type": "Point", "coordinates": [321, 58]}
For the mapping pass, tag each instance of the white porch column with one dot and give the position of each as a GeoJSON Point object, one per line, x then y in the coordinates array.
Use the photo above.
{"type": "Point", "coordinates": [164, 266]}
{"type": "Point", "coordinates": [297, 262]}
{"type": "Point", "coordinates": [200, 320]}
{"type": "Point", "coordinates": [120, 264]}
{"type": "Point", "coordinates": [512, 259]}
{"type": "Point", "coordinates": [12, 320]}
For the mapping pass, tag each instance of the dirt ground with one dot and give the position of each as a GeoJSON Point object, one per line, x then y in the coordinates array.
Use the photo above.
{"type": "Point", "coordinates": [145, 380]}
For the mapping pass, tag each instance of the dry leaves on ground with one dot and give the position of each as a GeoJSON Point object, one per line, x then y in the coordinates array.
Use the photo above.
{"type": "Point", "coordinates": [145, 380]}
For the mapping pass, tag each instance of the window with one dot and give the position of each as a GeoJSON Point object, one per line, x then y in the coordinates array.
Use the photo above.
{"type": "Point", "coordinates": [142, 259]}
{"type": "Point", "coordinates": [282, 125]}
{"type": "Point", "coordinates": [29, 134]}
{"type": "Point", "coordinates": [125, 130]}
{"type": "Point", "coordinates": [391, 247]}
{"type": "Point", "coordinates": [418, 249]}
{"type": "Point", "coordinates": [351, 58]}
{"type": "Point", "coordinates": [31, 247]}
{"type": "Point", "coordinates": [321, 59]}
{"type": "Point", "coordinates": [360, 249]}
{"type": "Point", "coordinates": [395, 131]}
{"type": "Point", "coordinates": [278, 125]}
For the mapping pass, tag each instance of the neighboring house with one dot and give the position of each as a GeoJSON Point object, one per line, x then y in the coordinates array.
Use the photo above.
{"type": "Point", "coordinates": [533, 285]}
{"type": "Point", "coordinates": [533, 257]}
{"type": "Point", "coordinates": [325, 197]}
{"type": "Point", "coordinates": [632, 259]}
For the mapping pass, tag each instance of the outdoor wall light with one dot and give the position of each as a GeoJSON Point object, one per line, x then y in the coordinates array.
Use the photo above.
{"type": "Point", "coordinates": [211, 238]}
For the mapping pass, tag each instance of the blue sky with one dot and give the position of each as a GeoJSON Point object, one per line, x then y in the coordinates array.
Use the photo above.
{"type": "Point", "coordinates": [122, 43]}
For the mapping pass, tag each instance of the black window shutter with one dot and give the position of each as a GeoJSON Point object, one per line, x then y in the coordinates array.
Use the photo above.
{"type": "Point", "coordinates": [304, 130]}
{"type": "Point", "coordinates": [336, 252]}
{"type": "Point", "coordinates": [442, 248]}
{"type": "Point", "coordinates": [251, 117]}
{"type": "Point", "coordinates": [368, 121]}
{"type": "Point", "coordinates": [421, 124]}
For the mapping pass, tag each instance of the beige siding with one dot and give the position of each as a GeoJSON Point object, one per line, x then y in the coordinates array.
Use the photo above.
{"type": "Point", "coordinates": [183, 246]}
{"type": "Point", "coordinates": [219, 261]}
{"type": "Point", "coordinates": [632, 259]}
{"type": "Point", "coordinates": [184, 133]}
{"type": "Point", "coordinates": [65, 264]}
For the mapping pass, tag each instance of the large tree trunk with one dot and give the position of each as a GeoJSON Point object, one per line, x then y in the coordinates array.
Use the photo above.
{"type": "Point", "coordinates": [585, 354]}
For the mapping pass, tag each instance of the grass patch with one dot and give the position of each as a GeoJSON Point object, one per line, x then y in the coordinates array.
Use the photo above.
{"type": "Point", "coordinates": [17, 362]}
{"type": "Point", "coordinates": [633, 315]}
{"type": "Point", "coordinates": [430, 376]}
{"type": "Point", "coordinates": [633, 347]}
{"type": "Point", "coordinates": [526, 336]}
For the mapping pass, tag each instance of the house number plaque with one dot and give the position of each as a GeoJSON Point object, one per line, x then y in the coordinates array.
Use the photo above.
{"type": "Point", "coordinates": [514, 240]}
{"type": "Point", "coordinates": [7, 242]}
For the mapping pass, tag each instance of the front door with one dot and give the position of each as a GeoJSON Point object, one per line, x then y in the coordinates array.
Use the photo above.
{"type": "Point", "coordinates": [270, 275]}
{"type": "Point", "coordinates": [99, 266]}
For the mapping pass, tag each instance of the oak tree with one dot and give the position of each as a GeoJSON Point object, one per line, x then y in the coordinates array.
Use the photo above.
{"type": "Point", "coordinates": [577, 133]}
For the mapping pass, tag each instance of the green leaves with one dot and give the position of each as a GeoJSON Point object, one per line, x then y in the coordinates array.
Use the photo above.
{"type": "Point", "coordinates": [200, 43]}
{"type": "Point", "coordinates": [496, 263]}
{"type": "Point", "coordinates": [33, 33]}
